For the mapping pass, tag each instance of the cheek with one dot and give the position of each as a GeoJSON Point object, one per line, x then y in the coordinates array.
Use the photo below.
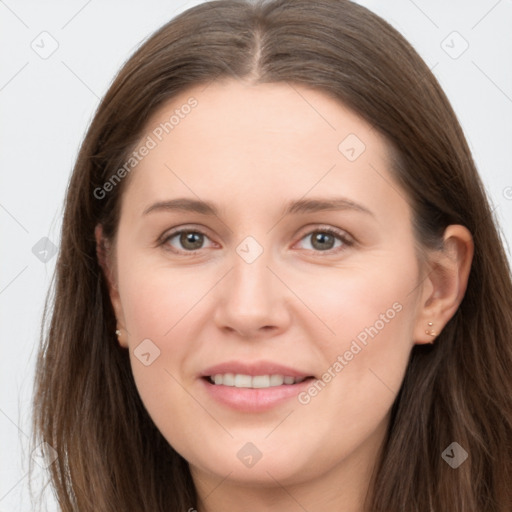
{"type": "Point", "coordinates": [157, 299]}
{"type": "Point", "coordinates": [370, 301]}
{"type": "Point", "coordinates": [372, 315]}
{"type": "Point", "coordinates": [157, 310]}
{"type": "Point", "coordinates": [157, 307]}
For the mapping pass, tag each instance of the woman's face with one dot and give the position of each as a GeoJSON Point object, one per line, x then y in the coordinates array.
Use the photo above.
{"type": "Point", "coordinates": [275, 284]}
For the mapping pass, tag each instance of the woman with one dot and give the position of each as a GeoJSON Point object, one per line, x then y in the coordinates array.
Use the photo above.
{"type": "Point", "coordinates": [280, 285]}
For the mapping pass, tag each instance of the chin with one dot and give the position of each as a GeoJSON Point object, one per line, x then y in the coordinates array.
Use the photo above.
{"type": "Point", "coordinates": [246, 464]}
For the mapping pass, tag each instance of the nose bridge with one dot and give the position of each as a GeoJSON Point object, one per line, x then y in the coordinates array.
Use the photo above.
{"type": "Point", "coordinates": [249, 299]}
{"type": "Point", "coordinates": [251, 281]}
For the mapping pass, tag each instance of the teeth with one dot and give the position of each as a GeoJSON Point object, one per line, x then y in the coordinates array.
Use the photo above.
{"type": "Point", "coordinates": [243, 381]}
{"type": "Point", "coordinates": [248, 381]}
{"type": "Point", "coordinates": [261, 381]}
{"type": "Point", "coordinates": [227, 379]}
{"type": "Point", "coordinates": [276, 380]}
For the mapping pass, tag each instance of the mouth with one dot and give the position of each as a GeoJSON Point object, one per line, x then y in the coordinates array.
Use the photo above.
{"type": "Point", "coordinates": [254, 392]}
{"type": "Point", "coordinates": [239, 380]}
{"type": "Point", "coordinates": [253, 386]}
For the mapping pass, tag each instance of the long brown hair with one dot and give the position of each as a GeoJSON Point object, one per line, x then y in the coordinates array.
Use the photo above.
{"type": "Point", "coordinates": [110, 455]}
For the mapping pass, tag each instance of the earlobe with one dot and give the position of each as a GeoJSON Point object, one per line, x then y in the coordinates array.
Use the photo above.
{"type": "Point", "coordinates": [446, 283]}
{"type": "Point", "coordinates": [104, 260]}
{"type": "Point", "coordinates": [121, 337]}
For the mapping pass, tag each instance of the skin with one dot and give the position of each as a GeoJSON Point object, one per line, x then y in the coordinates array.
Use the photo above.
{"type": "Point", "coordinates": [250, 149]}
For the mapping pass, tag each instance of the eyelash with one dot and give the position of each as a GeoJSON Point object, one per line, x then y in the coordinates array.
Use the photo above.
{"type": "Point", "coordinates": [347, 242]}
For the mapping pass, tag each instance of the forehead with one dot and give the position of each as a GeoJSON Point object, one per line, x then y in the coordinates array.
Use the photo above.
{"type": "Point", "coordinates": [274, 113]}
{"type": "Point", "coordinates": [232, 139]}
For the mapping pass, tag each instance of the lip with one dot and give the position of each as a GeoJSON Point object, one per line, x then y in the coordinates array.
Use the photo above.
{"type": "Point", "coordinates": [253, 368]}
{"type": "Point", "coordinates": [253, 400]}
{"type": "Point", "coordinates": [250, 399]}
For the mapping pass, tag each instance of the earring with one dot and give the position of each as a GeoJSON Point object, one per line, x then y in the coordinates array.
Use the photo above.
{"type": "Point", "coordinates": [430, 332]}
{"type": "Point", "coordinates": [118, 333]}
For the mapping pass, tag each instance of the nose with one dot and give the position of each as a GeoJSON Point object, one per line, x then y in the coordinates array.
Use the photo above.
{"type": "Point", "coordinates": [251, 299]}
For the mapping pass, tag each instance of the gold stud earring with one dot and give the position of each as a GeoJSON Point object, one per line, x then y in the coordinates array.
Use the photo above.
{"type": "Point", "coordinates": [430, 332]}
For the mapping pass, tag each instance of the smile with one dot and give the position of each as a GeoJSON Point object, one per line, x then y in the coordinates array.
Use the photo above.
{"type": "Point", "coordinates": [239, 380]}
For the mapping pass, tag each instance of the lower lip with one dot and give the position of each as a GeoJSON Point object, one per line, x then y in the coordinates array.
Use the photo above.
{"type": "Point", "coordinates": [254, 400]}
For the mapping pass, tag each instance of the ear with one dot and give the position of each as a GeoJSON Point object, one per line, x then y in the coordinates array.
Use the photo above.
{"type": "Point", "coordinates": [445, 284]}
{"type": "Point", "coordinates": [106, 262]}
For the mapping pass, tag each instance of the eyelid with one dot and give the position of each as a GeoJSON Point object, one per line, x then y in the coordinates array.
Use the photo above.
{"type": "Point", "coordinates": [167, 235]}
{"type": "Point", "coordinates": [312, 228]}
{"type": "Point", "coordinates": [346, 239]}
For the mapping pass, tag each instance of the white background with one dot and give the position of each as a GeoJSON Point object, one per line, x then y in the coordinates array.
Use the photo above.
{"type": "Point", "coordinates": [46, 105]}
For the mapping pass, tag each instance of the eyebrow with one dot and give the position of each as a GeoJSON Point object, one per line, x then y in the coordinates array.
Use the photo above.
{"type": "Point", "coordinates": [300, 206]}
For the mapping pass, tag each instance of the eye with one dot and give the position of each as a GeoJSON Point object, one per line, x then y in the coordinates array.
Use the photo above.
{"type": "Point", "coordinates": [324, 240]}
{"type": "Point", "coordinates": [190, 240]}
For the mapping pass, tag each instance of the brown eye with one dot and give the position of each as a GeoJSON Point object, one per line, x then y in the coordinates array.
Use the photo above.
{"type": "Point", "coordinates": [324, 240]}
{"type": "Point", "coordinates": [191, 240]}
{"type": "Point", "coordinates": [187, 240]}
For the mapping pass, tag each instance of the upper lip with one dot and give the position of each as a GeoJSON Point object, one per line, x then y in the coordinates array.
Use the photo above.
{"type": "Point", "coordinates": [253, 368]}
